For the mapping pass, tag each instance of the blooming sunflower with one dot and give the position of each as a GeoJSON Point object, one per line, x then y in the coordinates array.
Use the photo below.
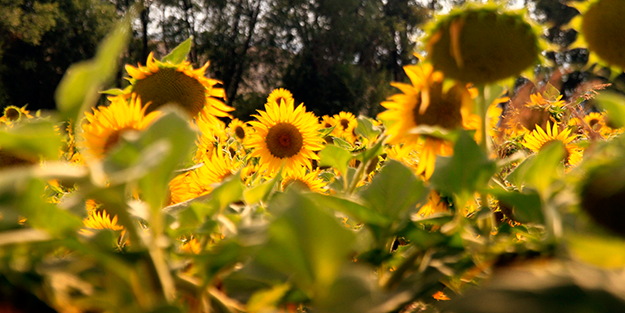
{"type": "Point", "coordinates": [285, 136]}
{"type": "Point", "coordinates": [201, 181]}
{"type": "Point", "coordinates": [161, 83]}
{"type": "Point", "coordinates": [538, 138]}
{"type": "Point", "coordinates": [212, 134]}
{"type": "Point", "coordinates": [434, 205]}
{"type": "Point", "coordinates": [239, 130]}
{"type": "Point", "coordinates": [279, 95]}
{"type": "Point", "coordinates": [103, 129]}
{"type": "Point", "coordinates": [310, 180]}
{"type": "Point", "coordinates": [327, 121]}
{"type": "Point", "coordinates": [448, 109]}
{"type": "Point", "coordinates": [12, 114]}
{"type": "Point", "coordinates": [100, 220]}
{"type": "Point", "coordinates": [345, 124]}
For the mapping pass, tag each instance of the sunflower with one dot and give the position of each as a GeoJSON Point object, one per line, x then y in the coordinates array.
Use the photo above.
{"type": "Point", "coordinates": [100, 220]}
{"type": "Point", "coordinates": [448, 109]}
{"type": "Point", "coordinates": [279, 95]}
{"type": "Point", "coordinates": [327, 121]}
{"type": "Point", "coordinates": [345, 125]}
{"type": "Point", "coordinates": [285, 136]}
{"type": "Point", "coordinates": [103, 129]}
{"type": "Point", "coordinates": [212, 134]}
{"type": "Point", "coordinates": [434, 205]}
{"type": "Point", "coordinates": [482, 43]}
{"type": "Point", "coordinates": [538, 138]}
{"type": "Point", "coordinates": [201, 181]}
{"type": "Point", "coordinates": [13, 114]}
{"type": "Point", "coordinates": [311, 180]}
{"type": "Point", "coordinates": [191, 246]}
{"type": "Point", "coordinates": [600, 27]}
{"type": "Point", "coordinates": [239, 130]}
{"type": "Point", "coordinates": [162, 82]}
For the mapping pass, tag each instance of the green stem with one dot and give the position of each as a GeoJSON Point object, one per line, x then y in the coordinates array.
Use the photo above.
{"type": "Point", "coordinates": [483, 94]}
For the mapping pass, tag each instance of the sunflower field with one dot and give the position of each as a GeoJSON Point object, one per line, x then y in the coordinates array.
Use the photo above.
{"type": "Point", "coordinates": [467, 194]}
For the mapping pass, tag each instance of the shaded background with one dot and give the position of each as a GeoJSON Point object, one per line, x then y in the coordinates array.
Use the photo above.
{"type": "Point", "coordinates": [333, 55]}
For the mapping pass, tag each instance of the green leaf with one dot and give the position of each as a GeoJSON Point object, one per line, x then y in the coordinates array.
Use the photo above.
{"type": "Point", "coordinates": [260, 192]}
{"type": "Point", "coordinates": [371, 153]}
{"type": "Point", "coordinates": [78, 90]}
{"type": "Point", "coordinates": [171, 132]}
{"type": "Point", "coordinates": [539, 170]}
{"type": "Point", "coordinates": [614, 104]}
{"type": "Point", "coordinates": [435, 131]}
{"type": "Point", "coordinates": [394, 191]}
{"type": "Point", "coordinates": [465, 172]}
{"type": "Point", "coordinates": [31, 140]}
{"type": "Point", "coordinates": [113, 92]}
{"type": "Point", "coordinates": [267, 299]}
{"type": "Point", "coordinates": [179, 54]}
{"type": "Point", "coordinates": [306, 243]}
{"type": "Point", "coordinates": [324, 132]}
{"type": "Point", "coordinates": [602, 251]}
{"type": "Point", "coordinates": [342, 143]}
{"type": "Point", "coordinates": [358, 211]}
{"type": "Point", "coordinates": [230, 190]}
{"type": "Point", "coordinates": [335, 157]}
{"type": "Point", "coordinates": [526, 206]}
{"type": "Point", "coordinates": [366, 128]}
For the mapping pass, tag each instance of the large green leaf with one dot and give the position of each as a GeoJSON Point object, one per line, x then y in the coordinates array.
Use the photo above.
{"type": "Point", "coordinates": [394, 191]}
{"type": "Point", "coordinates": [78, 90]}
{"type": "Point", "coordinates": [614, 104]}
{"type": "Point", "coordinates": [352, 208]}
{"type": "Point", "coordinates": [335, 157]}
{"type": "Point", "coordinates": [540, 170]}
{"type": "Point", "coordinates": [366, 128]}
{"type": "Point", "coordinates": [306, 243]}
{"type": "Point", "coordinates": [30, 140]}
{"type": "Point", "coordinates": [467, 171]}
{"type": "Point", "coordinates": [526, 206]}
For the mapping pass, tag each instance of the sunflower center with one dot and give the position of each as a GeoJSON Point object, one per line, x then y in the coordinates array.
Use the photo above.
{"type": "Point", "coordinates": [284, 140]}
{"type": "Point", "coordinates": [280, 99]}
{"type": "Point", "coordinates": [171, 86]}
{"type": "Point", "coordinates": [443, 110]}
{"type": "Point", "coordinates": [344, 123]}
{"type": "Point", "coordinates": [239, 132]}
{"type": "Point", "coordinates": [12, 113]}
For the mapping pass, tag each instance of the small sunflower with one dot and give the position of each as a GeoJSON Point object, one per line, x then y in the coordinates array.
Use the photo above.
{"type": "Point", "coordinates": [434, 205]}
{"type": "Point", "coordinates": [212, 134]}
{"type": "Point", "coordinates": [161, 83]}
{"type": "Point", "coordinates": [201, 181]}
{"type": "Point", "coordinates": [482, 44]}
{"type": "Point", "coordinates": [239, 130]}
{"type": "Point", "coordinates": [600, 28]}
{"type": "Point", "coordinates": [279, 95]}
{"type": "Point", "coordinates": [285, 135]}
{"type": "Point", "coordinates": [327, 121]}
{"type": "Point", "coordinates": [100, 220]}
{"type": "Point", "coordinates": [345, 125]}
{"type": "Point", "coordinates": [12, 114]}
{"type": "Point", "coordinates": [538, 138]}
{"type": "Point", "coordinates": [308, 179]}
{"type": "Point", "coordinates": [103, 129]}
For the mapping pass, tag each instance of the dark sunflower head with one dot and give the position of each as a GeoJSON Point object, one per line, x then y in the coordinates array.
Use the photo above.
{"type": "Point", "coordinates": [482, 44]}
{"type": "Point", "coordinates": [12, 113]}
{"type": "Point", "coordinates": [602, 29]}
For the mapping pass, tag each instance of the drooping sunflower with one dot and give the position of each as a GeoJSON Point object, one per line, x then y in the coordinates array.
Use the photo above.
{"type": "Point", "coordinates": [345, 124]}
{"type": "Point", "coordinates": [538, 138]}
{"type": "Point", "coordinates": [160, 83]}
{"type": "Point", "coordinates": [99, 220]}
{"type": "Point", "coordinates": [279, 95]}
{"type": "Point", "coordinates": [305, 178]}
{"type": "Point", "coordinates": [285, 136]}
{"type": "Point", "coordinates": [600, 27]}
{"type": "Point", "coordinates": [425, 102]}
{"type": "Point", "coordinates": [482, 43]}
{"type": "Point", "coordinates": [103, 128]}
{"type": "Point", "coordinates": [202, 180]}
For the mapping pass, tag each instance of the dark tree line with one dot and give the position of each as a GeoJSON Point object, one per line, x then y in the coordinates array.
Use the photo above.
{"type": "Point", "coordinates": [333, 55]}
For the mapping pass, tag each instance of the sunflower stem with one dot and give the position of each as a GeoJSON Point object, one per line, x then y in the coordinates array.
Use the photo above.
{"type": "Point", "coordinates": [483, 94]}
